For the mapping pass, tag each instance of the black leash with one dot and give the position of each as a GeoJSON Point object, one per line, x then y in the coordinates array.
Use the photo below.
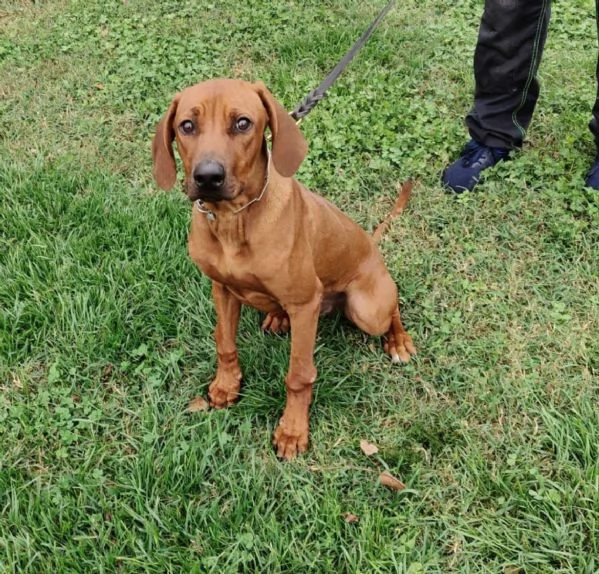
{"type": "Point", "coordinates": [316, 95]}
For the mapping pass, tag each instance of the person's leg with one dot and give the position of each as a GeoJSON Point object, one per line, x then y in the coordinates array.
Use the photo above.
{"type": "Point", "coordinates": [508, 52]}
{"type": "Point", "coordinates": [509, 49]}
{"type": "Point", "coordinates": [592, 179]}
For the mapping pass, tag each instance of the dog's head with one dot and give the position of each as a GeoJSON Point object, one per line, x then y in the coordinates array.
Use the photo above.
{"type": "Point", "coordinates": [219, 129]}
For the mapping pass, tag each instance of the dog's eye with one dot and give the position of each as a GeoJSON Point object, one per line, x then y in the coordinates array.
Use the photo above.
{"type": "Point", "coordinates": [187, 127]}
{"type": "Point", "coordinates": [243, 124]}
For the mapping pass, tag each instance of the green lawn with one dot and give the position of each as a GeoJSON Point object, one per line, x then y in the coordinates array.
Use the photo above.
{"type": "Point", "coordinates": [106, 326]}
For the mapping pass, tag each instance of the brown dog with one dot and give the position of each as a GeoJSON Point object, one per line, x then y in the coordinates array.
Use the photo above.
{"type": "Point", "coordinates": [268, 242]}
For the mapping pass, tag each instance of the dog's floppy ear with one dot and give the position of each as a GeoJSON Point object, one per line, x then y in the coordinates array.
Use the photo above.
{"type": "Point", "coordinates": [289, 147]}
{"type": "Point", "coordinates": [165, 169]}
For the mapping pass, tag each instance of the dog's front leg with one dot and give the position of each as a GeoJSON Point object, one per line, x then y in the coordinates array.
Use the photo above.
{"type": "Point", "coordinates": [291, 436]}
{"type": "Point", "coordinates": [224, 390]}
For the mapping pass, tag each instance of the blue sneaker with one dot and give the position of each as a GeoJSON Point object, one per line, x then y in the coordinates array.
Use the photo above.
{"type": "Point", "coordinates": [592, 179]}
{"type": "Point", "coordinates": [464, 173]}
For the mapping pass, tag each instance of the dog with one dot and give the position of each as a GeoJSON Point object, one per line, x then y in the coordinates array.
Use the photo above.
{"type": "Point", "coordinates": [266, 241]}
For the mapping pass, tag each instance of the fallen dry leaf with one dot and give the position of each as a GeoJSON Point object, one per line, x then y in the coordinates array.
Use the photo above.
{"type": "Point", "coordinates": [368, 448]}
{"type": "Point", "coordinates": [388, 480]}
{"type": "Point", "coordinates": [351, 518]}
{"type": "Point", "coordinates": [198, 404]}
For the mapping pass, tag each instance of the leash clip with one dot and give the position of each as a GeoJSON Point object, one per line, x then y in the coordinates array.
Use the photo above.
{"type": "Point", "coordinates": [201, 207]}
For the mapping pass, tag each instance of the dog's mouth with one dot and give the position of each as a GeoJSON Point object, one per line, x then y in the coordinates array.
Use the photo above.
{"type": "Point", "coordinates": [195, 192]}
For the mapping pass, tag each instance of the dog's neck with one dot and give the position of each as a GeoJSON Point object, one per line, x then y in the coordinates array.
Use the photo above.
{"type": "Point", "coordinates": [244, 200]}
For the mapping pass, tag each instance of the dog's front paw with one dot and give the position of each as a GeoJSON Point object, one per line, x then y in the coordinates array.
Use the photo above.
{"type": "Point", "coordinates": [224, 390]}
{"type": "Point", "coordinates": [290, 440]}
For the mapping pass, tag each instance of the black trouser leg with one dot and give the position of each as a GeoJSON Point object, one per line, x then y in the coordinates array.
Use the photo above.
{"type": "Point", "coordinates": [594, 124]}
{"type": "Point", "coordinates": [510, 45]}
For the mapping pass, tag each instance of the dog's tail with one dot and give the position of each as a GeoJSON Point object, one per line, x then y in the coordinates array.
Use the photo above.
{"type": "Point", "coordinates": [400, 203]}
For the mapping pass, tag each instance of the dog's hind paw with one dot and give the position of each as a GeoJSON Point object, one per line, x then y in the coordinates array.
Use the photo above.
{"type": "Point", "coordinates": [276, 322]}
{"type": "Point", "coordinates": [399, 347]}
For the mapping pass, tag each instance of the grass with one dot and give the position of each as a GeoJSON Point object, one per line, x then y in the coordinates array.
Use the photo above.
{"type": "Point", "coordinates": [106, 326]}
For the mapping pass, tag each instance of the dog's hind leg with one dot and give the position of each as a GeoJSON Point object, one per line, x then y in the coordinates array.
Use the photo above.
{"type": "Point", "coordinates": [398, 343]}
{"type": "Point", "coordinates": [372, 306]}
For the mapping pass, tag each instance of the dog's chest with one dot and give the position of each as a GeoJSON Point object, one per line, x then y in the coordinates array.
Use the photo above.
{"type": "Point", "coordinates": [240, 275]}
{"type": "Point", "coordinates": [231, 263]}
{"type": "Point", "coordinates": [227, 265]}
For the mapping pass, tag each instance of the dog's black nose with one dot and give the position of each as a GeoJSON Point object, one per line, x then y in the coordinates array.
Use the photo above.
{"type": "Point", "coordinates": [209, 174]}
